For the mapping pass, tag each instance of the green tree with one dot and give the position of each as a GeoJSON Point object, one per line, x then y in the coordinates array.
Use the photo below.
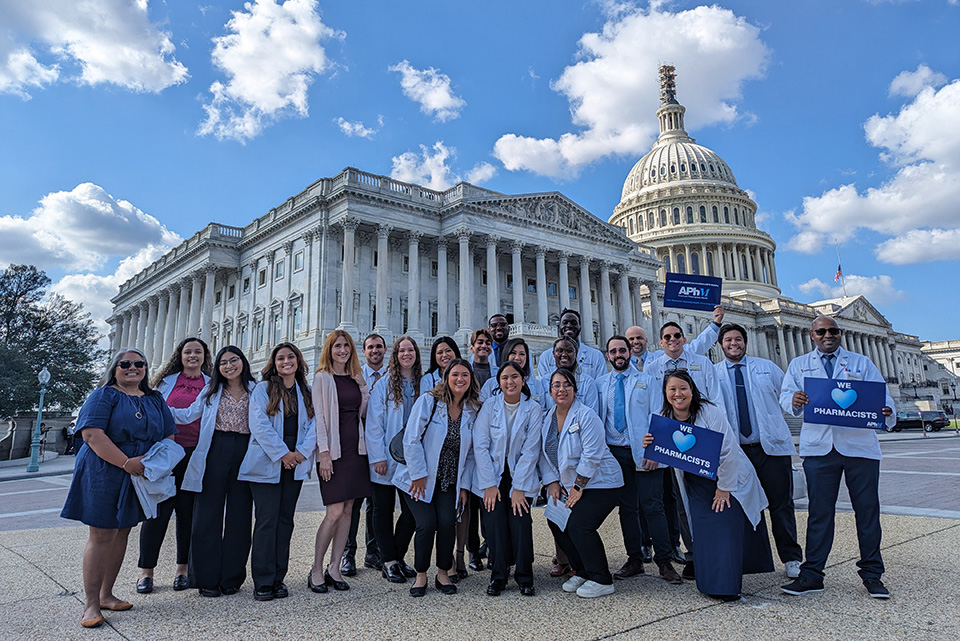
{"type": "Point", "coordinates": [37, 330]}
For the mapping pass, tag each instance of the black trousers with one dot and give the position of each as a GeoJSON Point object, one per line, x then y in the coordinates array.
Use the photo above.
{"type": "Point", "coordinates": [393, 542]}
{"type": "Point", "coordinates": [652, 514]}
{"type": "Point", "coordinates": [580, 541]}
{"type": "Point", "coordinates": [436, 519]}
{"type": "Point", "coordinates": [274, 505]}
{"type": "Point", "coordinates": [371, 534]}
{"type": "Point", "coordinates": [629, 505]}
{"type": "Point", "coordinates": [220, 543]}
{"type": "Point", "coordinates": [776, 479]}
{"type": "Point", "coordinates": [862, 477]}
{"type": "Point", "coordinates": [154, 530]}
{"type": "Point", "coordinates": [510, 538]}
{"type": "Point", "coordinates": [677, 524]}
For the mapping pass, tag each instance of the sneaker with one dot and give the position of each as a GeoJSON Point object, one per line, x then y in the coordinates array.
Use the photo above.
{"type": "Point", "coordinates": [801, 586]}
{"type": "Point", "coordinates": [876, 588]}
{"type": "Point", "coordinates": [793, 569]}
{"type": "Point", "coordinates": [592, 589]}
{"type": "Point", "coordinates": [573, 583]}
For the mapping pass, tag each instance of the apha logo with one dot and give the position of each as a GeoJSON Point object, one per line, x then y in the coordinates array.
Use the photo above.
{"type": "Point", "coordinates": [694, 292]}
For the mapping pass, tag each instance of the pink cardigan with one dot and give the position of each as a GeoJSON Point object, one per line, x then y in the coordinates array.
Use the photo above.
{"type": "Point", "coordinates": [326, 409]}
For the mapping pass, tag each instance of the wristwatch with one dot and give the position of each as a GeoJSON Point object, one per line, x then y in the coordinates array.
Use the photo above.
{"type": "Point", "coordinates": [577, 488]}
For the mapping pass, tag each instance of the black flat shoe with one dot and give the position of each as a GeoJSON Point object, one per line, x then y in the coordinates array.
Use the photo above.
{"type": "Point", "coordinates": [339, 586]}
{"type": "Point", "coordinates": [689, 573]}
{"type": "Point", "coordinates": [229, 591]}
{"type": "Point", "coordinates": [393, 574]}
{"type": "Point", "coordinates": [528, 590]}
{"type": "Point", "coordinates": [454, 578]}
{"type": "Point", "coordinates": [418, 591]}
{"type": "Point", "coordinates": [348, 566]}
{"type": "Point", "coordinates": [319, 589]}
{"type": "Point", "coordinates": [476, 563]}
{"type": "Point", "coordinates": [209, 592]}
{"type": "Point", "coordinates": [280, 590]}
{"type": "Point", "coordinates": [406, 570]}
{"type": "Point", "coordinates": [265, 593]}
{"type": "Point", "coordinates": [180, 583]}
{"type": "Point", "coordinates": [496, 587]}
{"type": "Point", "coordinates": [145, 585]}
{"type": "Point", "coordinates": [446, 588]}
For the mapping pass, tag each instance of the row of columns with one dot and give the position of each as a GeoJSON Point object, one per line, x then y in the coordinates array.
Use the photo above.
{"type": "Point", "coordinates": [760, 265]}
{"type": "Point", "coordinates": [796, 341]}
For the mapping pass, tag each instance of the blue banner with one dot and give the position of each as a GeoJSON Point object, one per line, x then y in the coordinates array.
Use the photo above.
{"type": "Point", "coordinates": [689, 291]}
{"type": "Point", "coordinates": [686, 447]}
{"type": "Point", "coordinates": [844, 403]}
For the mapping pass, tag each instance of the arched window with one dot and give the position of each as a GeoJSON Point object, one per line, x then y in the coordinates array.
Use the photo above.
{"type": "Point", "coordinates": [666, 261]}
{"type": "Point", "coordinates": [639, 222]}
{"type": "Point", "coordinates": [681, 264]}
{"type": "Point", "coordinates": [710, 264]}
{"type": "Point", "coordinates": [631, 225]}
{"type": "Point", "coordinates": [703, 214]}
{"type": "Point", "coordinates": [683, 168]}
{"type": "Point", "coordinates": [676, 215]}
{"type": "Point", "coordinates": [695, 263]}
{"type": "Point", "coordinates": [689, 215]}
{"type": "Point", "coordinates": [673, 169]}
{"type": "Point", "coordinates": [736, 216]}
{"type": "Point", "coordinates": [716, 216]}
{"type": "Point", "coordinates": [650, 219]}
{"type": "Point", "coordinates": [726, 215]}
{"type": "Point", "coordinates": [663, 217]}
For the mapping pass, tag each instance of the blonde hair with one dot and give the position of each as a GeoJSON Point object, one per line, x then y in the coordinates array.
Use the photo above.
{"type": "Point", "coordinates": [326, 354]}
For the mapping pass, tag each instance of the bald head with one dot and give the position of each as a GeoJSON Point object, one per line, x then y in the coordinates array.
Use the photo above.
{"type": "Point", "coordinates": [638, 340]}
{"type": "Point", "coordinates": [825, 333]}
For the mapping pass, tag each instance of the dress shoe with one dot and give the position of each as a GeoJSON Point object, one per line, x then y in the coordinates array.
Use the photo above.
{"type": "Point", "coordinates": [476, 562]}
{"type": "Point", "coordinates": [632, 567]}
{"type": "Point", "coordinates": [95, 622]}
{"type": "Point", "coordinates": [669, 574]}
{"type": "Point", "coordinates": [393, 574]}
{"type": "Point", "coordinates": [560, 569]}
{"type": "Point", "coordinates": [145, 585]}
{"type": "Point", "coordinates": [446, 588]}
{"type": "Point", "coordinates": [418, 591]}
{"type": "Point", "coordinates": [647, 551]}
{"type": "Point", "coordinates": [688, 572]}
{"type": "Point", "coordinates": [496, 587]}
{"type": "Point", "coordinates": [121, 606]}
{"type": "Point", "coordinates": [229, 591]}
{"type": "Point", "coordinates": [348, 566]}
{"type": "Point", "coordinates": [454, 577]}
{"type": "Point", "coordinates": [280, 590]}
{"type": "Point", "coordinates": [339, 586]}
{"type": "Point", "coordinates": [319, 589]}
{"type": "Point", "coordinates": [209, 592]}
{"type": "Point", "coordinates": [527, 590]}
{"type": "Point", "coordinates": [180, 582]}
{"type": "Point", "coordinates": [373, 562]}
{"type": "Point", "coordinates": [678, 555]}
{"type": "Point", "coordinates": [406, 570]}
{"type": "Point", "coordinates": [264, 593]}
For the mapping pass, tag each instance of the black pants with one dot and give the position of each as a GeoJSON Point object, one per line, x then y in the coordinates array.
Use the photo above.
{"type": "Point", "coordinates": [154, 530]}
{"type": "Point", "coordinates": [436, 519]}
{"type": "Point", "coordinates": [371, 534]}
{"type": "Point", "coordinates": [862, 476]}
{"type": "Point", "coordinates": [580, 541]}
{"type": "Point", "coordinates": [650, 497]}
{"type": "Point", "coordinates": [776, 479]}
{"type": "Point", "coordinates": [677, 524]}
{"type": "Point", "coordinates": [392, 542]}
{"type": "Point", "coordinates": [220, 543]}
{"type": "Point", "coordinates": [510, 538]}
{"type": "Point", "coordinates": [629, 505]}
{"type": "Point", "coordinates": [274, 505]}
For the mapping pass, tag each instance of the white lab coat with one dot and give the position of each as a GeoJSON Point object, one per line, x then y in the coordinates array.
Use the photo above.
{"type": "Point", "coordinates": [581, 450]}
{"type": "Point", "coordinates": [700, 369]}
{"type": "Point", "coordinates": [763, 380]}
{"type": "Point", "coordinates": [262, 461]}
{"type": "Point", "coordinates": [384, 421]}
{"type": "Point", "coordinates": [490, 437]}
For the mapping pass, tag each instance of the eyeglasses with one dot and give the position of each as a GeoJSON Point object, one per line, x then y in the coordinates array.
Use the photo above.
{"type": "Point", "coordinates": [128, 364]}
{"type": "Point", "coordinates": [670, 337]}
{"type": "Point", "coordinates": [231, 361]}
{"type": "Point", "coordinates": [833, 331]}
{"type": "Point", "coordinates": [495, 325]}
{"type": "Point", "coordinates": [558, 385]}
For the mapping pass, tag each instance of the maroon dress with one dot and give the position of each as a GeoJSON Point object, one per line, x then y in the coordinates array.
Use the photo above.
{"type": "Point", "coordinates": [351, 473]}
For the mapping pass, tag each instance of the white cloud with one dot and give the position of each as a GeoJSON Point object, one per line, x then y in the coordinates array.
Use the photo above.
{"type": "Point", "coordinates": [613, 88]}
{"type": "Point", "coordinates": [270, 56]}
{"type": "Point", "coordinates": [909, 83]}
{"type": "Point", "coordinates": [431, 89]}
{"type": "Point", "coordinates": [918, 204]}
{"type": "Point", "coordinates": [427, 169]}
{"type": "Point", "coordinates": [111, 41]}
{"type": "Point", "coordinates": [481, 173]}
{"type": "Point", "coordinates": [878, 289]}
{"type": "Point", "coordinates": [357, 128]}
{"type": "Point", "coordinates": [79, 230]}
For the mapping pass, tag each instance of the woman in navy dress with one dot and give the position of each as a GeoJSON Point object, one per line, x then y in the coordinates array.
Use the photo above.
{"type": "Point", "coordinates": [119, 422]}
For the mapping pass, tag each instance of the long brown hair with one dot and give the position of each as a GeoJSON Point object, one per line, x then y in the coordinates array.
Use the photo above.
{"type": "Point", "coordinates": [396, 378]}
{"type": "Point", "coordinates": [174, 364]}
{"type": "Point", "coordinates": [444, 395]}
{"type": "Point", "coordinates": [277, 393]}
{"type": "Point", "coordinates": [326, 354]}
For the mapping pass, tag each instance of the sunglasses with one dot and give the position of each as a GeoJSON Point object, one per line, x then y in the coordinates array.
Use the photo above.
{"type": "Point", "coordinates": [833, 331]}
{"type": "Point", "coordinates": [670, 337]}
{"type": "Point", "coordinates": [129, 364]}
{"type": "Point", "coordinates": [493, 325]}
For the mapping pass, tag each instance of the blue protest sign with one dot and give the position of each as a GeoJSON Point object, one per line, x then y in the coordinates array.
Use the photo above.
{"type": "Point", "coordinates": [690, 291]}
{"type": "Point", "coordinates": [686, 447]}
{"type": "Point", "coordinates": [844, 403]}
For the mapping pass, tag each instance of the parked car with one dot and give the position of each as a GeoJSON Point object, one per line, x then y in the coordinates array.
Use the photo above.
{"type": "Point", "coordinates": [928, 421]}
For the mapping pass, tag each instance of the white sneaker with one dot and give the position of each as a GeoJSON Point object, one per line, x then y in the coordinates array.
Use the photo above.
{"type": "Point", "coordinates": [571, 584]}
{"type": "Point", "coordinates": [793, 569]}
{"type": "Point", "coordinates": [592, 589]}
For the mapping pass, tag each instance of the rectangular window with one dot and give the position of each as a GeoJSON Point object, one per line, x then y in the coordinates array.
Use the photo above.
{"type": "Point", "coordinates": [258, 334]}
{"type": "Point", "coordinates": [406, 265]}
{"type": "Point", "coordinates": [405, 319]}
{"type": "Point", "coordinates": [433, 268]}
{"type": "Point", "coordinates": [572, 293]}
{"type": "Point", "coordinates": [593, 296]}
{"type": "Point", "coordinates": [298, 261]}
{"type": "Point", "coordinates": [433, 323]}
{"type": "Point", "coordinates": [552, 289]}
{"type": "Point", "coordinates": [532, 285]}
{"type": "Point", "coordinates": [218, 297]}
{"type": "Point", "coordinates": [277, 328]}
{"type": "Point", "coordinates": [376, 257]}
{"type": "Point", "coordinates": [297, 317]}
{"type": "Point", "coordinates": [246, 285]}
{"type": "Point", "coordinates": [243, 337]}
{"type": "Point", "coordinates": [509, 281]}
{"type": "Point", "coordinates": [232, 292]}
{"type": "Point", "coordinates": [483, 277]}
{"type": "Point", "coordinates": [262, 278]}
{"type": "Point", "coordinates": [278, 270]}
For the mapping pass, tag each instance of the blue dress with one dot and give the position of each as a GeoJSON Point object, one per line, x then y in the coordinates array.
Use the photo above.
{"type": "Point", "coordinates": [101, 494]}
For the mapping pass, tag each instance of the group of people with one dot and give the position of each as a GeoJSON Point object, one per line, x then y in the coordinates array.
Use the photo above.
{"type": "Point", "coordinates": [466, 446]}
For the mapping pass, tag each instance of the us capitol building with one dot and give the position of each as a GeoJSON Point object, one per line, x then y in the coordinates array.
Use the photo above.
{"type": "Point", "coordinates": [429, 263]}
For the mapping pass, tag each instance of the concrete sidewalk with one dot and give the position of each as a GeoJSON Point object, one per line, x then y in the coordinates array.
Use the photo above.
{"type": "Point", "coordinates": [41, 590]}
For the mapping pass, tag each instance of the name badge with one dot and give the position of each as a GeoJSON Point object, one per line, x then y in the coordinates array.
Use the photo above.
{"type": "Point", "coordinates": [695, 368]}
{"type": "Point", "coordinates": [574, 428]}
{"type": "Point", "coordinates": [640, 385]}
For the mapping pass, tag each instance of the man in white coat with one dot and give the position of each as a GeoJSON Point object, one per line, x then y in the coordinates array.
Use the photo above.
{"type": "Point", "coordinates": [751, 394]}
{"type": "Point", "coordinates": [830, 452]}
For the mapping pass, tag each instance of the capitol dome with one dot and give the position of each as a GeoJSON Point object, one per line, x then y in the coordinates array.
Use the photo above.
{"type": "Point", "coordinates": [682, 200]}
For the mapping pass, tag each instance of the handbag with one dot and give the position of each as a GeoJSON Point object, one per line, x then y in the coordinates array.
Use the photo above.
{"type": "Point", "coordinates": [396, 443]}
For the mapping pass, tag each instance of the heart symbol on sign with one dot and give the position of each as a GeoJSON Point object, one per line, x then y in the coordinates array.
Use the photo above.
{"type": "Point", "coordinates": [844, 398]}
{"type": "Point", "coordinates": [684, 441]}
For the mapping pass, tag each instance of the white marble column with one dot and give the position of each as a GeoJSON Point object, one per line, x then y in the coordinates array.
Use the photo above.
{"type": "Point", "coordinates": [773, 269]}
{"type": "Point", "coordinates": [891, 363]}
{"type": "Point", "coordinates": [116, 327]}
{"type": "Point", "coordinates": [346, 285]}
{"type": "Point", "coordinates": [637, 302]}
{"type": "Point", "coordinates": [135, 327]}
{"type": "Point", "coordinates": [321, 274]}
{"type": "Point", "coordinates": [673, 260]}
{"type": "Point", "coordinates": [160, 327]}
{"type": "Point", "coordinates": [625, 306]}
{"type": "Point", "coordinates": [689, 261]}
{"type": "Point", "coordinates": [564, 278]}
{"type": "Point", "coordinates": [413, 286]}
{"type": "Point", "coordinates": [183, 310]}
{"type": "Point", "coordinates": [170, 330]}
{"type": "Point", "coordinates": [518, 283]}
{"type": "Point", "coordinates": [493, 277]}
{"type": "Point", "coordinates": [606, 310]}
{"type": "Point", "coordinates": [586, 311]}
{"type": "Point", "coordinates": [784, 345]}
{"type": "Point", "coordinates": [703, 260]}
{"type": "Point", "coordinates": [142, 327]}
{"type": "Point", "coordinates": [542, 311]}
{"type": "Point", "coordinates": [464, 278]}
{"type": "Point", "coordinates": [382, 326]}
{"type": "Point", "coordinates": [149, 336]}
{"type": "Point", "coordinates": [125, 329]}
{"type": "Point", "coordinates": [195, 307]}
{"type": "Point", "coordinates": [655, 318]}
{"type": "Point", "coordinates": [443, 324]}
{"type": "Point", "coordinates": [209, 284]}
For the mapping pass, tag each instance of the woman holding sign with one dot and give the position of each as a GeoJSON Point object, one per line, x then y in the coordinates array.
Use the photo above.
{"type": "Point", "coordinates": [583, 477]}
{"type": "Point", "coordinates": [725, 512]}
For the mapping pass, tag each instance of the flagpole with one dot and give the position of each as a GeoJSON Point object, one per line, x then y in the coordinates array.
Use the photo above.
{"type": "Point", "coordinates": [840, 270]}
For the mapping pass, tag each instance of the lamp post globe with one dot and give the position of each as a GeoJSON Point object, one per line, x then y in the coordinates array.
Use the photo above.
{"type": "Point", "coordinates": [34, 466]}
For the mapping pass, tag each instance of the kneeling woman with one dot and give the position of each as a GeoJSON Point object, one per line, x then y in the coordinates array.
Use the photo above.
{"type": "Point", "coordinates": [437, 443]}
{"type": "Point", "coordinates": [724, 513]}
{"type": "Point", "coordinates": [506, 448]}
{"type": "Point", "coordinates": [280, 457]}
{"type": "Point", "coordinates": [576, 462]}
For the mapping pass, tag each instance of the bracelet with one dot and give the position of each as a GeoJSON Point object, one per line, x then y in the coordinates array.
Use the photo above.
{"type": "Point", "coordinates": [124, 466]}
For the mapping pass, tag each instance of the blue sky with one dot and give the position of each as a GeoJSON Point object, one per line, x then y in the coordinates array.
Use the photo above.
{"type": "Point", "coordinates": [127, 125]}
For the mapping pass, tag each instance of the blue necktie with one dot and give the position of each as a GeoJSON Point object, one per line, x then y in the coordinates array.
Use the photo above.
{"type": "Point", "coordinates": [828, 364]}
{"type": "Point", "coordinates": [743, 410]}
{"type": "Point", "coordinates": [620, 405]}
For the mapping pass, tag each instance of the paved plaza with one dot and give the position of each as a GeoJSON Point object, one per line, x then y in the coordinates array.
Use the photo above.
{"type": "Point", "coordinates": [41, 582]}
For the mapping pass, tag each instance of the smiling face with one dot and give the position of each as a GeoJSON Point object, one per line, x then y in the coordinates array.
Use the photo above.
{"type": "Point", "coordinates": [618, 353]}
{"type": "Point", "coordinates": [444, 355]}
{"type": "Point", "coordinates": [132, 375]}
{"type": "Point", "coordinates": [230, 366]}
{"type": "Point", "coordinates": [191, 356]}
{"type": "Point", "coordinates": [500, 329]}
{"type": "Point", "coordinates": [570, 326]}
{"type": "Point", "coordinates": [638, 340]}
{"type": "Point", "coordinates": [825, 334]}
{"type": "Point", "coordinates": [679, 395]}
{"type": "Point", "coordinates": [672, 341]}
{"type": "Point", "coordinates": [565, 353]}
{"type": "Point", "coordinates": [373, 351]}
{"type": "Point", "coordinates": [286, 362]}
{"type": "Point", "coordinates": [511, 384]}
{"type": "Point", "coordinates": [406, 354]}
{"type": "Point", "coordinates": [518, 355]}
{"type": "Point", "coordinates": [733, 345]}
{"type": "Point", "coordinates": [561, 391]}
{"type": "Point", "coordinates": [459, 381]}
{"type": "Point", "coordinates": [482, 348]}
{"type": "Point", "coordinates": [340, 352]}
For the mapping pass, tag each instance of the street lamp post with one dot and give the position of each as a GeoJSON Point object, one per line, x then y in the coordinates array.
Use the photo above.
{"type": "Point", "coordinates": [34, 466]}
